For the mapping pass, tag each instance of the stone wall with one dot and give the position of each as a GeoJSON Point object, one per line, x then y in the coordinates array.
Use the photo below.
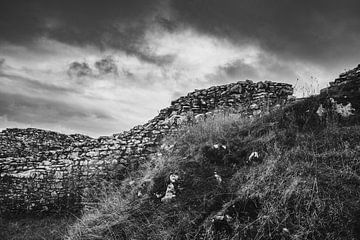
{"type": "Point", "coordinates": [344, 90]}
{"type": "Point", "coordinates": [44, 171]}
{"type": "Point", "coordinates": [348, 82]}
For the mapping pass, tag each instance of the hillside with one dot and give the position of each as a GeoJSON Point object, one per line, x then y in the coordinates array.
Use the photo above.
{"type": "Point", "coordinates": [60, 170]}
{"type": "Point", "coordinates": [290, 174]}
{"type": "Point", "coordinates": [289, 171]}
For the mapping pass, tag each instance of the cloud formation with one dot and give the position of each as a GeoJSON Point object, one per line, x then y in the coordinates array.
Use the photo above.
{"type": "Point", "coordinates": [110, 23]}
{"type": "Point", "coordinates": [95, 105]}
{"type": "Point", "coordinates": [77, 69]}
{"type": "Point", "coordinates": [106, 65]}
{"type": "Point", "coordinates": [322, 30]}
{"type": "Point", "coordinates": [21, 108]}
{"type": "Point", "coordinates": [28, 102]}
{"type": "Point", "coordinates": [93, 65]}
{"type": "Point", "coordinates": [239, 69]}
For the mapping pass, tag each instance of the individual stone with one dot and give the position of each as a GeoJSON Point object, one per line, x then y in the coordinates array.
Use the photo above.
{"type": "Point", "coordinates": [218, 178]}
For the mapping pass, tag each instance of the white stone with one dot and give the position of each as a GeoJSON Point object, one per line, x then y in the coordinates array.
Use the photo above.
{"type": "Point", "coordinates": [170, 193]}
{"type": "Point", "coordinates": [253, 155]}
{"type": "Point", "coordinates": [344, 111]}
{"type": "Point", "coordinates": [321, 111]}
{"type": "Point", "coordinates": [217, 177]}
{"type": "Point", "coordinates": [174, 178]}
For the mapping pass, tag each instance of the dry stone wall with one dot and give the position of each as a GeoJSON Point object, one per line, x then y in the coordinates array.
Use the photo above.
{"type": "Point", "coordinates": [344, 90]}
{"type": "Point", "coordinates": [347, 82]}
{"type": "Point", "coordinates": [44, 171]}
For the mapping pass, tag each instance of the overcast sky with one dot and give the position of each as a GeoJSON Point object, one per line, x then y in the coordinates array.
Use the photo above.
{"type": "Point", "coordinates": [101, 67]}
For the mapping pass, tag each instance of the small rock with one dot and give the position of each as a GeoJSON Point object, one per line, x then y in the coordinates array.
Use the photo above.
{"type": "Point", "coordinates": [170, 193]}
{"type": "Point", "coordinates": [218, 178]}
{"type": "Point", "coordinates": [286, 230]}
{"type": "Point", "coordinates": [174, 178]}
{"type": "Point", "coordinates": [254, 156]}
{"type": "Point", "coordinates": [321, 111]}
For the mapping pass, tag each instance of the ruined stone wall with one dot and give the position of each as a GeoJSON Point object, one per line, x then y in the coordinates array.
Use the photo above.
{"type": "Point", "coordinates": [344, 90]}
{"type": "Point", "coordinates": [348, 82]}
{"type": "Point", "coordinates": [43, 171]}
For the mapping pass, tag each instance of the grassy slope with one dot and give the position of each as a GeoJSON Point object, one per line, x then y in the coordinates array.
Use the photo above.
{"type": "Point", "coordinates": [306, 186]}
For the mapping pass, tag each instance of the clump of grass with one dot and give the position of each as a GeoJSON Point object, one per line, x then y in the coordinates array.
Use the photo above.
{"type": "Point", "coordinates": [306, 185]}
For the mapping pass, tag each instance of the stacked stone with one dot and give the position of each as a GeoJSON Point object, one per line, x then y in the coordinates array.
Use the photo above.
{"type": "Point", "coordinates": [25, 142]}
{"type": "Point", "coordinates": [346, 82]}
{"type": "Point", "coordinates": [244, 94]}
{"type": "Point", "coordinates": [37, 169]}
{"type": "Point", "coordinates": [43, 171]}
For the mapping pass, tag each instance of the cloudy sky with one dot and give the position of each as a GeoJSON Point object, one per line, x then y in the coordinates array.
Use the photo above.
{"type": "Point", "coordinates": [101, 67]}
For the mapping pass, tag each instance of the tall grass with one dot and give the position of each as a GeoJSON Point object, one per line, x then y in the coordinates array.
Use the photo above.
{"type": "Point", "coordinates": [305, 185]}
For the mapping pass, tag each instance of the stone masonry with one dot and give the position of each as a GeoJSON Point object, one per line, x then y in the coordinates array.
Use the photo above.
{"type": "Point", "coordinates": [44, 171]}
{"type": "Point", "coordinates": [346, 82]}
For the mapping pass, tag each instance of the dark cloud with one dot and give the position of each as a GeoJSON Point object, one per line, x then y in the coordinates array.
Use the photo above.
{"type": "Point", "coordinates": [322, 30]}
{"type": "Point", "coordinates": [238, 68]}
{"type": "Point", "coordinates": [168, 24]}
{"type": "Point", "coordinates": [266, 67]}
{"type": "Point", "coordinates": [29, 84]}
{"type": "Point", "coordinates": [2, 62]}
{"type": "Point", "coordinates": [155, 59]}
{"type": "Point", "coordinates": [28, 102]}
{"type": "Point", "coordinates": [106, 65]}
{"type": "Point", "coordinates": [235, 70]}
{"type": "Point", "coordinates": [25, 109]}
{"type": "Point", "coordinates": [32, 84]}
{"type": "Point", "coordinates": [109, 23]}
{"type": "Point", "coordinates": [81, 21]}
{"type": "Point", "coordinates": [77, 69]}
{"type": "Point", "coordinates": [282, 70]}
{"type": "Point", "coordinates": [128, 74]}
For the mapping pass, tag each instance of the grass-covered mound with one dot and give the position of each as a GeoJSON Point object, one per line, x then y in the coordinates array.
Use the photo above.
{"type": "Point", "coordinates": [305, 184]}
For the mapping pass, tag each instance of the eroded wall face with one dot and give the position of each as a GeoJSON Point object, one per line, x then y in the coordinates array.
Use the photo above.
{"type": "Point", "coordinates": [43, 171]}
